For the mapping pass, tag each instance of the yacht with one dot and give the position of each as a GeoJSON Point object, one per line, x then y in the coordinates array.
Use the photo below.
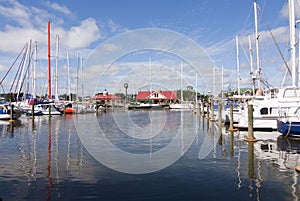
{"type": "Point", "coordinates": [266, 112]}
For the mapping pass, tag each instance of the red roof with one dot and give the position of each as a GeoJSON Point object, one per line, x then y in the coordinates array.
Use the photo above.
{"type": "Point", "coordinates": [105, 97]}
{"type": "Point", "coordinates": [167, 95]}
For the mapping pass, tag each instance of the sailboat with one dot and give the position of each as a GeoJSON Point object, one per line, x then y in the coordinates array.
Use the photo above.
{"type": "Point", "coordinates": [267, 108]}
{"type": "Point", "coordinates": [69, 104]}
{"type": "Point", "coordinates": [43, 107]}
{"type": "Point", "coordinates": [182, 104]}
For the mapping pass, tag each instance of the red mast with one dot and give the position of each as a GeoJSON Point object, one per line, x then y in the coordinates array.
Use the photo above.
{"type": "Point", "coordinates": [49, 64]}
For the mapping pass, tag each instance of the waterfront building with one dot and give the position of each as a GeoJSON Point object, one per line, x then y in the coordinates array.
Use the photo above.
{"type": "Point", "coordinates": [104, 99]}
{"type": "Point", "coordinates": [157, 96]}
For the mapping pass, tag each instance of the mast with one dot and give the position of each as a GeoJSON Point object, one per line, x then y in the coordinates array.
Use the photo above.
{"type": "Point", "coordinates": [69, 82]}
{"type": "Point", "coordinates": [257, 47]}
{"type": "Point", "coordinates": [251, 65]}
{"type": "Point", "coordinates": [238, 64]}
{"type": "Point", "coordinates": [214, 80]}
{"type": "Point", "coordinates": [196, 88]}
{"type": "Point", "coordinates": [34, 72]}
{"type": "Point", "coordinates": [222, 69]}
{"type": "Point", "coordinates": [23, 69]}
{"type": "Point", "coordinates": [49, 64]}
{"type": "Point", "coordinates": [81, 66]}
{"type": "Point", "coordinates": [150, 65]}
{"type": "Point", "coordinates": [181, 72]}
{"type": "Point", "coordinates": [77, 75]}
{"type": "Point", "coordinates": [299, 59]}
{"type": "Point", "coordinates": [56, 67]}
{"type": "Point", "coordinates": [26, 90]}
{"type": "Point", "coordinates": [292, 40]}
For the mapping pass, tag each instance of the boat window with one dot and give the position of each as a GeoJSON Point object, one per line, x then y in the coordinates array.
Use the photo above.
{"type": "Point", "coordinates": [273, 110]}
{"type": "Point", "coordinates": [264, 110]}
{"type": "Point", "coordinates": [290, 93]}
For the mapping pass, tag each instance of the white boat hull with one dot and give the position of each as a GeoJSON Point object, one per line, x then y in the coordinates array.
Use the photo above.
{"type": "Point", "coordinates": [181, 106]}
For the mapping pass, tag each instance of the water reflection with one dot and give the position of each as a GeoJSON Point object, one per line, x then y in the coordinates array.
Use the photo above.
{"type": "Point", "coordinates": [276, 151]}
{"type": "Point", "coordinates": [251, 173]}
{"type": "Point", "coordinates": [50, 185]}
{"type": "Point", "coordinates": [46, 160]}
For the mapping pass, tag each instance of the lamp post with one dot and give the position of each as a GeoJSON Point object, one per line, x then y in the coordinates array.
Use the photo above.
{"type": "Point", "coordinates": [126, 87]}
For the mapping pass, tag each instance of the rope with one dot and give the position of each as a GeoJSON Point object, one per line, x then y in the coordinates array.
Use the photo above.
{"type": "Point", "coordinates": [12, 65]}
{"type": "Point", "coordinates": [18, 72]}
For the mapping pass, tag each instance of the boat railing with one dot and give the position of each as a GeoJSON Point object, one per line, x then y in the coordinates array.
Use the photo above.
{"type": "Point", "coordinates": [289, 112]}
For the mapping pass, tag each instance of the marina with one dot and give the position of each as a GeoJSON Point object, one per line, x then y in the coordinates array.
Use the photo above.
{"type": "Point", "coordinates": [44, 159]}
{"type": "Point", "coordinates": [112, 112]}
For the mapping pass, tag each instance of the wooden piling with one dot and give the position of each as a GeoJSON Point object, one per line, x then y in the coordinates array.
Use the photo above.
{"type": "Point", "coordinates": [207, 111]}
{"type": "Point", "coordinates": [49, 112]}
{"type": "Point", "coordinates": [250, 137]}
{"type": "Point", "coordinates": [231, 128]}
{"type": "Point", "coordinates": [11, 113]}
{"type": "Point", "coordinates": [11, 127]}
{"type": "Point", "coordinates": [32, 110]}
{"type": "Point", "coordinates": [220, 114]}
{"type": "Point", "coordinates": [212, 110]}
{"type": "Point", "coordinates": [251, 172]}
{"type": "Point", "coordinates": [231, 142]}
{"type": "Point", "coordinates": [194, 107]}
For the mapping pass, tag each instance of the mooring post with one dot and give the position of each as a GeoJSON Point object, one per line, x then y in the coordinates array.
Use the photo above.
{"type": "Point", "coordinates": [220, 113]}
{"type": "Point", "coordinates": [251, 173]}
{"type": "Point", "coordinates": [207, 111]}
{"type": "Point", "coordinates": [32, 110]}
{"type": "Point", "coordinates": [231, 128]}
{"type": "Point", "coordinates": [212, 110]}
{"type": "Point", "coordinates": [202, 109]}
{"type": "Point", "coordinates": [250, 137]}
{"type": "Point", "coordinates": [11, 113]}
{"type": "Point", "coordinates": [194, 107]}
{"type": "Point", "coordinates": [65, 110]}
{"type": "Point", "coordinates": [49, 112]}
{"type": "Point", "coordinates": [231, 142]}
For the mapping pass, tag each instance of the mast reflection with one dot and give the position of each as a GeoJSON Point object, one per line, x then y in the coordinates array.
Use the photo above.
{"type": "Point", "coordinates": [49, 188]}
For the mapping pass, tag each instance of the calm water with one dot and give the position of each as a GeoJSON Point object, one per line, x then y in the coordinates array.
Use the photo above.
{"type": "Point", "coordinates": [46, 160]}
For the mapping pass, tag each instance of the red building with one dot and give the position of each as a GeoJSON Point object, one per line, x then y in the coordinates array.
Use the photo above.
{"type": "Point", "coordinates": [156, 96]}
{"type": "Point", "coordinates": [106, 99]}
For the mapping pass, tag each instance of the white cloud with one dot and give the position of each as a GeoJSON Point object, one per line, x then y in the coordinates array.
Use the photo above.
{"type": "Point", "coordinates": [110, 47]}
{"type": "Point", "coordinates": [16, 12]}
{"type": "Point", "coordinates": [31, 23]}
{"type": "Point", "coordinates": [15, 38]}
{"type": "Point", "coordinates": [63, 9]}
{"type": "Point", "coordinates": [2, 68]}
{"type": "Point", "coordinates": [81, 36]}
{"type": "Point", "coordinates": [285, 10]}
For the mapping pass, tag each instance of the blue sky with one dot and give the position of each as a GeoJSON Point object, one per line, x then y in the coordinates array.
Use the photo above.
{"type": "Point", "coordinates": [84, 25]}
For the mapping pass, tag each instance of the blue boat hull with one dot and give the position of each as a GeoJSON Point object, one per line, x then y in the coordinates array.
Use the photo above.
{"type": "Point", "coordinates": [289, 128]}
